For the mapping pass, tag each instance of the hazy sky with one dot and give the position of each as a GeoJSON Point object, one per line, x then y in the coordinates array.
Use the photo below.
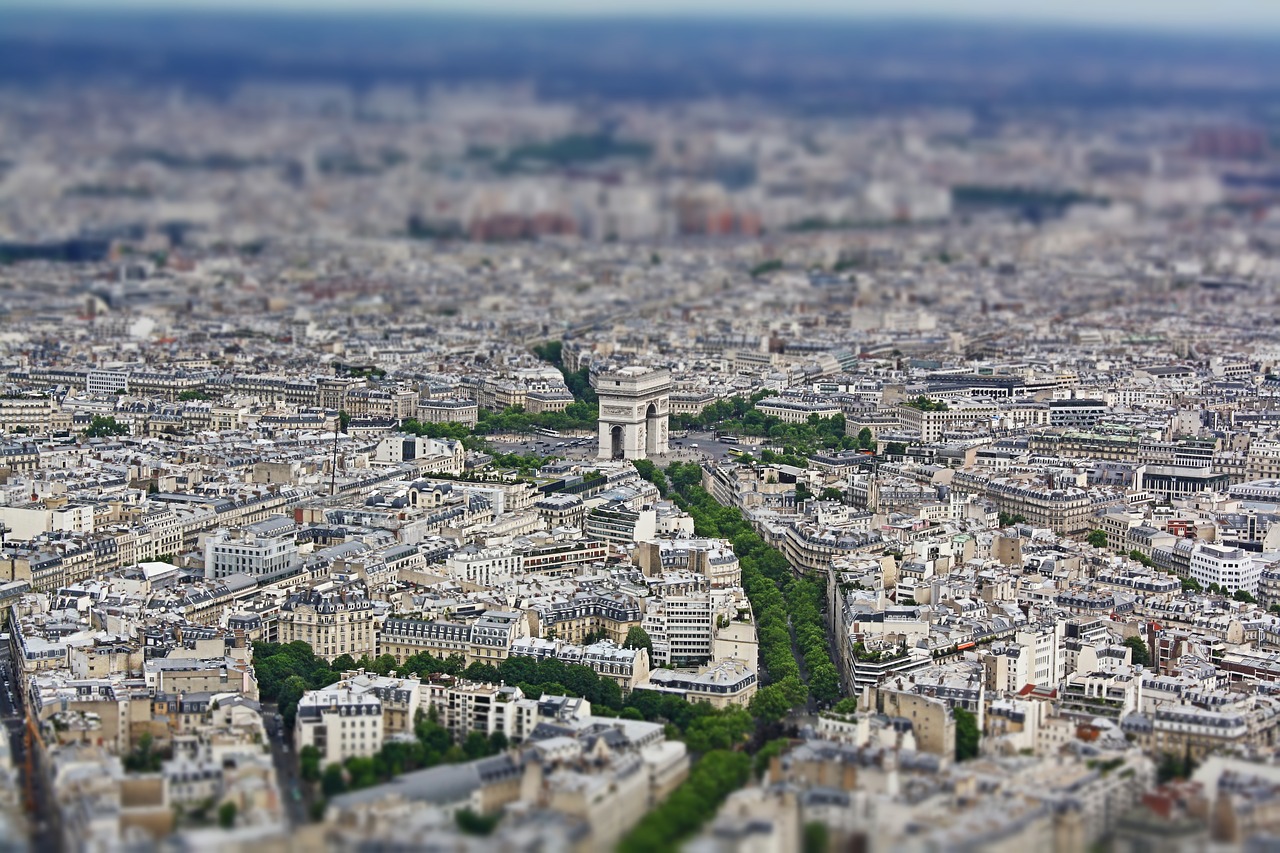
{"type": "Point", "coordinates": [1220, 15]}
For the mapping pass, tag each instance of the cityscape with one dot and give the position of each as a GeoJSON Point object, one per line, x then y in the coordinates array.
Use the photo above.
{"type": "Point", "coordinates": [455, 432]}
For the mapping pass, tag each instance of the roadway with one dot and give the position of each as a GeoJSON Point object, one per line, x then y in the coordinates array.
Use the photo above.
{"type": "Point", "coordinates": [294, 794]}
{"type": "Point", "coordinates": [44, 834]}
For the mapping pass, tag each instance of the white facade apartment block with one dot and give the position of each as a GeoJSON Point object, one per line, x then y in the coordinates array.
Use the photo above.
{"type": "Point", "coordinates": [340, 723]}
{"type": "Point", "coordinates": [107, 381]}
{"type": "Point", "coordinates": [1231, 568]}
{"type": "Point", "coordinates": [487, 567]}
{"type": "Point", "coordinates": [263, 550]}
{"type": "Point", "coordinates": [1047, 665]}
{"type": "Point", "coordinates": [682, 629]}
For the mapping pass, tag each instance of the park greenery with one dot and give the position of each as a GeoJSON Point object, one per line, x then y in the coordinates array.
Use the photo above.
{"type": "Point", "coordinates": [577, 381]}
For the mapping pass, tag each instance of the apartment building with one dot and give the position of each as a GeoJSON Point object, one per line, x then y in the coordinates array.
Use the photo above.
{"type": "Point", "coordinates": [589, 611]}
{"type": "Point", "coordinates": [31, 412]}
{"type": "Point", "coordinates": [681, 628]}
{"type": "Point", "coordinates": [1231, 568]}
{"type": "Point", "coordinates": [333, 616]}
{"type": "Point", "coordinates": [617, 523]}
{"type": "Point", "coordinates": [487, 640]}
{"type": "Point", "coordinates": [341, 721]}
{"type": "Point", "coordinates": [1062, 507]}
{"type": "Point", "coordinates": [792, 410]}
{"type": "Point", "coordinates": [930, 423]}
{"type": "Point", "coordinates": [714, 559]}
{"type": "Point", "coordinates": [722, 685]}
{"type": "Point", "coordinates": [449, 411]}
{"type": "Point", "coordinates": [266, 550]}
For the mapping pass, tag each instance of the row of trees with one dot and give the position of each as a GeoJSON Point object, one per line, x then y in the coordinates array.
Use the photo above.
{"type": "Point", "coordinates": [705, 730]}
{"type": "Point", "coordinates": [579, 415]}
{"type": "Point", "coordinates": [701, 726]}
{"type": "Point", "coordinates": [968, 735]}
{"type": "Point", "coordinates": [717, 775]}
{"type": "Point", "coordinates": [739, 415]}
{"type": "Point", "coordinates": [788, 609]}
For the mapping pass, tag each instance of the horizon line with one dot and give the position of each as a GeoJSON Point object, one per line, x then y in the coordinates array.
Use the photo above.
{"type": "Point", "coordinates": [992, 19]}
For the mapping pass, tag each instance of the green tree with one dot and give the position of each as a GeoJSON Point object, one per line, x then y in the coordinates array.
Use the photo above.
{"type": "Point", "coordinates": [1097, 538]}
{"type": "Point", "coordinates": [1140, 655]}
{"type": "Point", "coordinates": [638, 638]}
{"type": "Point", "coordinates": [362, 772]}
{"type": "Point", "coordinates": [650, 472]}
{"type": "Point", "coordinates": [1244, 596]}
{"type": "Point", "coordinates": [770, 703]}
{"type": "Point", "coordinates": [333, 782]}
{"type": "Point", "coordinates": [290, 692]}
{"type": "Point", "coordinates": [474, 824]}
{"type": "Point", "coordinates": [144, 758]}
{"type": "Point", "coordinates": [830, 493]}
{"type": "Point", "coordinates": [1191, 585]}
{"type": "Point", "coordinates": [309, 763]}
{"type": "Point", "coordinates": [344, 420]}
{"type": "Point", "coordinates": [725, 730]}
{"type": "Point", "coordinates": [765, 267]}
{"type": "Point", "coordinates": [1172, 767]}
{"type": "Point", "coordinates": [777, 746]}
{"type": "Point", "coordinates": [690, 805]}
{"type": "Point", "coordinates": [105, 427]}
{"type": "Point", "coordinates": [476, 745]}
{"type": "Point", "coordinates": [1139, 557]}
{"type": "Point", "coordinates": [925, 404]}
{"type": "Point", "coordinates": [967, 734]}
{"type": "Point", "coordinates": [227, 815]}
{"type": "Point", "coordinates": [816, 837]}
{"type": "Point", "coordinates": [866, 441]}
{"type": "Point", "coordinates": [552, 351]}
